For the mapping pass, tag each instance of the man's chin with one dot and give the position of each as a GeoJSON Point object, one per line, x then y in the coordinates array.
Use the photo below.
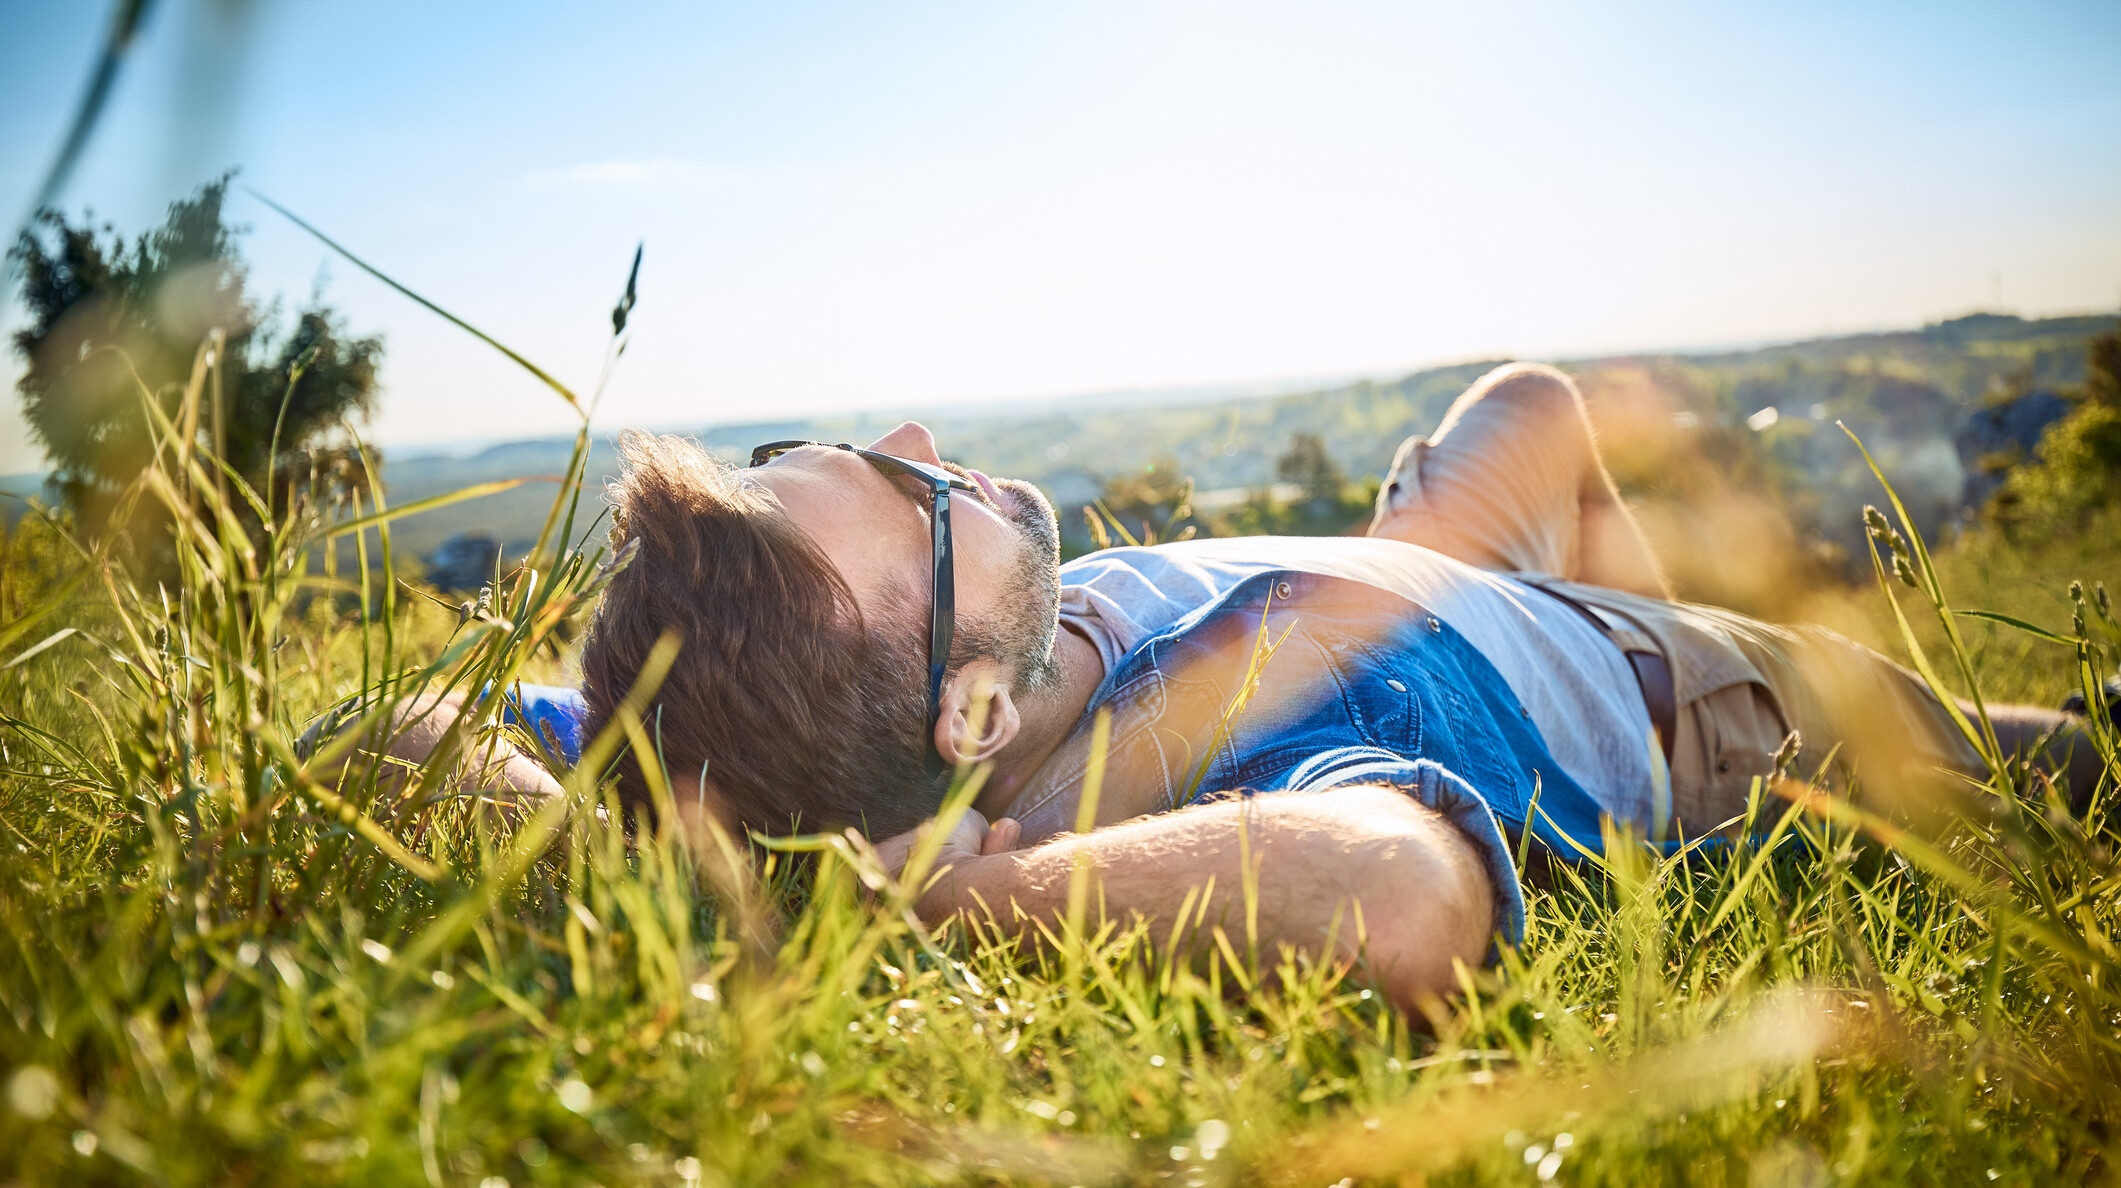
{"type": "Point", "coordinates": [1039, 578]}
{"type": "Point", "coordinates": [1018, 500]}
{"type": "Point", "coordinates": [1025, 500]}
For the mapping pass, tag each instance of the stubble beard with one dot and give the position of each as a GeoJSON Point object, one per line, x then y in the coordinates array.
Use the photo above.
{"type": "Point", "coordinates": [1023, 633]}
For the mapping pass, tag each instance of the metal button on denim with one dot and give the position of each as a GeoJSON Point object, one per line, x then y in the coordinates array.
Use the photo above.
{"type": "Point", "coordinates": [1281, 589]}
{"type": "Point", "coordinates": [1396, 686]}
{"type": "Point", "coordinates": [1435, 625]}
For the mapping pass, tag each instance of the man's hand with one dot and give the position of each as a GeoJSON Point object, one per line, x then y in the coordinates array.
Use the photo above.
{"type": "Point", "coordinates": [972, 838]}
{"type": "Point", "coordinates": [408, 740]}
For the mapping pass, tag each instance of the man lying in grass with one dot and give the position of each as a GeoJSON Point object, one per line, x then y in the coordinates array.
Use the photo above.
{"type": "Point", "coordinates": [1378, 723]}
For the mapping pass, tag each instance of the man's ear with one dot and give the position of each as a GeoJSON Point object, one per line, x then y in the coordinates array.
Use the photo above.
{"type": "Point", "coordinates": [979, 715]}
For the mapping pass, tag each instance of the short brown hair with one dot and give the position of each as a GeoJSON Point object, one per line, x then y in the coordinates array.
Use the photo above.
{"type": "Point", "coordinates": [800, 713]}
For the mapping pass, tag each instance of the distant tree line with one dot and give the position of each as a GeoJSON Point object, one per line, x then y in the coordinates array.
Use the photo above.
{"type": "Point", "coordinates": [1156, 504]}
{"type": "Point", "coordinates": [2072, 473]}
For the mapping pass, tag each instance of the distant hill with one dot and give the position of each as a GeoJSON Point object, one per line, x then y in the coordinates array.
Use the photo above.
{"type": "Point", "coordinates": [1907, 393]}
{"type": "Point", "coordinates": [1749, 432]}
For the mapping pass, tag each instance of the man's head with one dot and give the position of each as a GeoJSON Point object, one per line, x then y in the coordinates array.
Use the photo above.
{"type": "Point", "coordinates": [800, 591]}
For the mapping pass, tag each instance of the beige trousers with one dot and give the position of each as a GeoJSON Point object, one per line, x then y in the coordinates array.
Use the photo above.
{"type": "Point", "coordinates": [1511, 481]}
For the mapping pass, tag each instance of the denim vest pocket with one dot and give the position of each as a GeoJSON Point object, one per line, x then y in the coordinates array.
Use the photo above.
{"type": "Point", "coordinates": [1380, 693]}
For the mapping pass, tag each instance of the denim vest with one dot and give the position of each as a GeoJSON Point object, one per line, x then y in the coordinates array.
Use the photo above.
{"type": "Point", "coordinates": [1300, 682]}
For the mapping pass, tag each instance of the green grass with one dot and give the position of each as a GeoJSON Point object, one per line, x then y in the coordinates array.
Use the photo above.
{"type": "Point", "coordinates": [215, 969]}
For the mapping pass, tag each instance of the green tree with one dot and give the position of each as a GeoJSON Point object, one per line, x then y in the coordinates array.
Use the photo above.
{"type": "Point", "coordinates": [111, 324]}
{"type": "Point", "coordinates": [1307, 464]}
{"type": "Point", "coordinates": [2076, 470]}
{"type": "Point", "coordinates": [1325, 503]}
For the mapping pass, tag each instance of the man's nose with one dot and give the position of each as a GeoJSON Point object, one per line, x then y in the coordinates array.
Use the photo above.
{"type": "Point", "coordinates": [910, 440]}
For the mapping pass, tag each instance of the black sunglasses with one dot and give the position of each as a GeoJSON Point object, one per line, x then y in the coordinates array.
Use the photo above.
{"type": "Point", "coordinates": [942, 606]}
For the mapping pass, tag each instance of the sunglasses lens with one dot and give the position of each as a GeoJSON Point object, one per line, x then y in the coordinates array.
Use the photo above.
{"type": "Point", "coordinates": [760, 455]}
{"type": "Point", "coordinates": [885, 462]}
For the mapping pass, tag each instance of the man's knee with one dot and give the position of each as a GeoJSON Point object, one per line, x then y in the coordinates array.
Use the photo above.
{"type": "Point", "coordinates": [1512, 448]}
{"type": "Point", "coordinates": [1534, 388]}
{"type": "Point", "coordinates": [1529, 413]}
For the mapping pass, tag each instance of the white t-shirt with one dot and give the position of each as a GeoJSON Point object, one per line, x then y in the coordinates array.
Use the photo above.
{"type": "Point", "coordinates": [1582, 695]}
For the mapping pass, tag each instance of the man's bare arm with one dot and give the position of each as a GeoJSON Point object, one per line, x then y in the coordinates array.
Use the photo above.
{"type": "Point", "coordinates": [1425, 897]}
{"type": "Point", "coordinates": [413, 732]}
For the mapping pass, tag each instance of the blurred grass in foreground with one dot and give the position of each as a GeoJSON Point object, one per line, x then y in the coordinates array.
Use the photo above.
{"type": "Point", "coordinates": [214, 969]}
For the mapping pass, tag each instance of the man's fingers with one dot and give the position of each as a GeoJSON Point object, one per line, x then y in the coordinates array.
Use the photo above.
{"type": "Point", "coordinates": [972, 837]}
{"type": "Point", "coordinates": [1002, 836]}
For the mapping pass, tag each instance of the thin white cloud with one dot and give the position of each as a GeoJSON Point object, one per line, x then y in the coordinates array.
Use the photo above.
{"type": "Point", "coordinates": [610, 173]}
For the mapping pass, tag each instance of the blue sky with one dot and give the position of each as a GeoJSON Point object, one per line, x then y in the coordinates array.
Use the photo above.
{"type": "Point", "coordinates": [866, 205]}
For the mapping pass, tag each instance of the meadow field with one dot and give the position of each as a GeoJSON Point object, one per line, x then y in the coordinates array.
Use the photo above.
{"type": "Point", "coordinates": [218, 968]}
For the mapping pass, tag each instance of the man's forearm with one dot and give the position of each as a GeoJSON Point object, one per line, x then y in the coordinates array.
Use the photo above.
{"type": "Point", "coordinates": [410, 737]}
{"type": "Point", "coordinates": [1423, 895]}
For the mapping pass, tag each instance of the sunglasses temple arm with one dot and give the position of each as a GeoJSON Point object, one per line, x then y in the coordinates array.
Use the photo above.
{"type": "Point", "coordinates": [943, 615]}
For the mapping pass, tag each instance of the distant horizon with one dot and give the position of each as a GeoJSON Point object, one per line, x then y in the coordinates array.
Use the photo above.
{"type": "Point", "coordinates": [1265, 389]}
